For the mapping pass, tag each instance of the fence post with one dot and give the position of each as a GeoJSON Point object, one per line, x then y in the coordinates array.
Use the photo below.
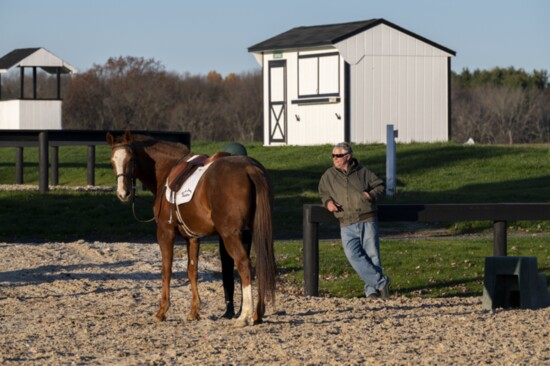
{"type": "Point", "coordinates": [19, 157]}
{"type": "Point", "coordinates": [55, 165]}
{"type": "Point", "coordinates": [499, 238]}
{"type": "Point", "coordinates": [91, 165]}
{"type": "Point", "coordinates": [43, 161]}
{"type": "Point", "coordinates": [311, 254]}
{"type": "Point", "coordinates": [390, 160]}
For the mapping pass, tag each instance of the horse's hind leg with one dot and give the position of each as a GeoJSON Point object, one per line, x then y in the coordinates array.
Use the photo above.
{"type": "Point", "coordinates": [228, 265]}
{"type": "Point", "coordinates": [247, 303]}
{"type": "Point", "coordinates": [260, 309]}
{"type": "Point", "coordinates": [236, 250]}
{"type": "Point", "coordinates": [192, 270]}
{"type": "Point", "coordinates": [166, 243]}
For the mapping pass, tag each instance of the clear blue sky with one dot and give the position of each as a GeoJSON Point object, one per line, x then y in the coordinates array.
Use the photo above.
{"type": "Point", "coordinates": [203, 35]}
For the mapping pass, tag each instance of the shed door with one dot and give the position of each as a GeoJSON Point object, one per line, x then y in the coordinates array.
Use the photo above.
{"type": "Point", "coordinates": [277, 101]}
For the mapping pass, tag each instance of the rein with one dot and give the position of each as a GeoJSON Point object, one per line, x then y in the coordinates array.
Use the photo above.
{"type": "Point", "coordinates": [134, 203]}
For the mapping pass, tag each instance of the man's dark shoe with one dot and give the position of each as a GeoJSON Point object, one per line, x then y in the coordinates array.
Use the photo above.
{"type": "Point", "coordinates": [373, 296]}
{"type": "Point", "coordinates": [385, 290]}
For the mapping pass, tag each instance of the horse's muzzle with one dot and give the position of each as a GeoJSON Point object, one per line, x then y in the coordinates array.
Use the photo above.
{"type": "Point", "coordinates": [124, 197]}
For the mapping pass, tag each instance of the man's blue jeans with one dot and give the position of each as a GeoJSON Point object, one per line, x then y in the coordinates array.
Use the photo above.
{"type": "Point", "coordinates": [362, 247]}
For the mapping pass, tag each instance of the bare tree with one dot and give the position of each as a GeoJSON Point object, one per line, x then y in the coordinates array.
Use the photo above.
{"type": "Point", "coordinates": [502, 106]}
{"type": "Point", "coordinates": [83, 106]}
{"type": "Point", "coordinates": [498, 114]}
{"type": "Point", "coordinates": [136, 93]}
{"type": "Point", "coordinates": [124, 93]}
{"type": "Point", "coordinates": [243, 105]}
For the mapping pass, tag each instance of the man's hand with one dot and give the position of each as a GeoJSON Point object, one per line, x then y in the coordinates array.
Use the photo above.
{"type": "Point", "coordinates": [333, 206]}
{"type": "Point", "coordinates": [369, 197]}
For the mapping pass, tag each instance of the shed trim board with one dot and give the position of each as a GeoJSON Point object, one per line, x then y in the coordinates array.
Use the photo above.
{"type": "Point", "coordinates": [277, 102]}
{"type": "Point", "coordinates": [346, 82]}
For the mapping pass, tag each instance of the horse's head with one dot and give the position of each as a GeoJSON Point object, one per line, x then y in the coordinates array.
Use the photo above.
{"type": "Point", "coordinates": [123, 161]}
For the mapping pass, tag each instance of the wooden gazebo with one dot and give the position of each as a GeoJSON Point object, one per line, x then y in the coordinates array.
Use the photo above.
{"type": "Point", "coordinates": [32, 113]}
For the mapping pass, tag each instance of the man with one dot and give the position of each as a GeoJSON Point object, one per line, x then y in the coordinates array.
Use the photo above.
{"type": "Point", "coordinates": [350, 191]}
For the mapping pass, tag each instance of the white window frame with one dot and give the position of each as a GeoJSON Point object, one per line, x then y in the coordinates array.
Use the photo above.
{"type": "Point", "coordinates": [319, 75]}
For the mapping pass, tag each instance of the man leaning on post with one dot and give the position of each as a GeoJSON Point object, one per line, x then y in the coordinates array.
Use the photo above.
{"type": "Point", "coordinates": [350, 191]}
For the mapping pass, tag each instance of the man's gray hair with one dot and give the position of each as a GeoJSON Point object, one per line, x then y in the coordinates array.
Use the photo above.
{"type": "Point", "coordinates": [346, 148]}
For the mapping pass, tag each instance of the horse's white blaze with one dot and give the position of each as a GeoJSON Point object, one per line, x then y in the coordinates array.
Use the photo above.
{"type": "Point", "coordinates": [118, 161]}
{"type": "Point", "coordinates": [247, 309]}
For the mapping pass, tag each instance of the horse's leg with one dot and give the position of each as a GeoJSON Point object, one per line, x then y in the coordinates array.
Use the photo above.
{"type": "Point", "coordinates": [228, 265]}
{"type": "Point", "coordinates": [236, 250]}
{"type": "Point", "coordinates": [260, 306]}
{"type": "Point", "coordinates": [192, 271]}
{"type": "Point", "coordinates": [165, 238]}
{"type": "Point", "coordinates": [228, 281]}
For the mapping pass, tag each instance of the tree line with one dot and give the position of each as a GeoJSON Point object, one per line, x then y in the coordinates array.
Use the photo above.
{"type": "Point", "coordinates": [135, 93]}
{"type": "Point", "coordinates": [502, 105]}
{"type": "Point", "coordinates": [139, 94]}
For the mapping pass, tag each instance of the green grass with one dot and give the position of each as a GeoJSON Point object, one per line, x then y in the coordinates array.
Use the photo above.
{"type": "Point", "coordinates": [426, 173]}
{"type": "Point", "coordinates": [64, 215]}
{"type": "Point", "coordinates": [418, 267]}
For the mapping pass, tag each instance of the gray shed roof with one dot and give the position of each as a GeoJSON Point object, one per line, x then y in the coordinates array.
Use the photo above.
{"type": "Point", "coordinates": [325, 35]}
{"type": "Point", "coordinates": [24, 56]}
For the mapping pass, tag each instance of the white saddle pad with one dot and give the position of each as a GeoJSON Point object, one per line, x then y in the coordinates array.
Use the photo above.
{"type": "Point", "coordinates": [187, 190]}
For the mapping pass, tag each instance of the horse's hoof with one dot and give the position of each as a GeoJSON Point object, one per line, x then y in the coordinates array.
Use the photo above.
{"type": "Point", "coordinates": [160, 317]}
{"type": "Point", "coordinates": [258, 317]}
{"type": "Point", "coordinates": [243, 322]}
{"type": "Point", "coordinates": [229, 312]}
{"type": "Point", "coordinates": [193, 317]}
{"type": "Point", "coordinates": [239, 323]}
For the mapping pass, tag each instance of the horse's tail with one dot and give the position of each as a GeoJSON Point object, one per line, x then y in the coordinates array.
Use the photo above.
{"type": "Point", "coordinates": [262, 236]}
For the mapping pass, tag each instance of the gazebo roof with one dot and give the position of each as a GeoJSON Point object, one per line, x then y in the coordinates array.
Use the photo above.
{"type": "Point", "coordinates": [35, 57]}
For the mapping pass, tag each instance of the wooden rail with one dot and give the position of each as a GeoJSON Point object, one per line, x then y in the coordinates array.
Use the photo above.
{"type": "Point", "coordinates": [45, 139]}
{"type": "Point", "coordinates": [499, 213]}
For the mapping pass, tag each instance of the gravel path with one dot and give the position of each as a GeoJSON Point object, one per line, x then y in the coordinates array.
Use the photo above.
{"type": "Point", "coordinates": [93, 304]}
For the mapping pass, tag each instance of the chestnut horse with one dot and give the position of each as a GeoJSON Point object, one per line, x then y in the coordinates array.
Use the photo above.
{"type": "Point", "coordinates": [233, 195]}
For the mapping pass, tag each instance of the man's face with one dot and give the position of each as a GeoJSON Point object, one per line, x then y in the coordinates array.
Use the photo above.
{"type": "Point", "coordinates": [340, 159]}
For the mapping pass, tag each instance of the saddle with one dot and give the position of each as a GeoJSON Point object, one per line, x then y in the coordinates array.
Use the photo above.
{"type": "Point", "coordinates": [184, 169]}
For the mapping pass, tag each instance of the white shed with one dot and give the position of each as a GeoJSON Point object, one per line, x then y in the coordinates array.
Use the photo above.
{"type": "Point", "coordinates": [346, 82]}
{"type": "Point", "coordinates": [26, 112]}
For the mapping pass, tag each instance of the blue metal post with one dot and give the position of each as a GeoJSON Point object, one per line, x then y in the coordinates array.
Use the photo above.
{"type": "Point", "coordinates": [391, 134]}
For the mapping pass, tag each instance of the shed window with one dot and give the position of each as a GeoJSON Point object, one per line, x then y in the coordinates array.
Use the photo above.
{"type": "Point", "coordinates": [319, 75]}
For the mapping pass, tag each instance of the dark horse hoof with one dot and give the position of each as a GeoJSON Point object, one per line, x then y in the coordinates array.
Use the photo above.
{"type": "Point", "coordinates": [229, 311]}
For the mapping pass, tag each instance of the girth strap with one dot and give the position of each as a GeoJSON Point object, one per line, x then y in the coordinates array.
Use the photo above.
{"type": "Point", "coordinates": [188, 231]}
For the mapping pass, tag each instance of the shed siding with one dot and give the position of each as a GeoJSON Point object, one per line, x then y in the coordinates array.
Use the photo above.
{"type": "Point", "coordinates": [396, 79]}
{"type": "Point", "coordinates": [30, 115]}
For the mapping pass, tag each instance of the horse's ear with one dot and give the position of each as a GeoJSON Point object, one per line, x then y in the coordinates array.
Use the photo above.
{"type": "Point", "coordinates": [110, 139]}
{"type": "Point", "coordinates": [127, 136]}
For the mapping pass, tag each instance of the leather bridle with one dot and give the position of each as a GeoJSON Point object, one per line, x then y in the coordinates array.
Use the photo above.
{"type": "Point", "coordinates": [131, 177]}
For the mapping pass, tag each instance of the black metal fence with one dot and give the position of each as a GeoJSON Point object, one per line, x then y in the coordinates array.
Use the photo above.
{"type": "Point", "coordinates": [46, 139]}
{"type": "Point", "coordinates": [499, 213]}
